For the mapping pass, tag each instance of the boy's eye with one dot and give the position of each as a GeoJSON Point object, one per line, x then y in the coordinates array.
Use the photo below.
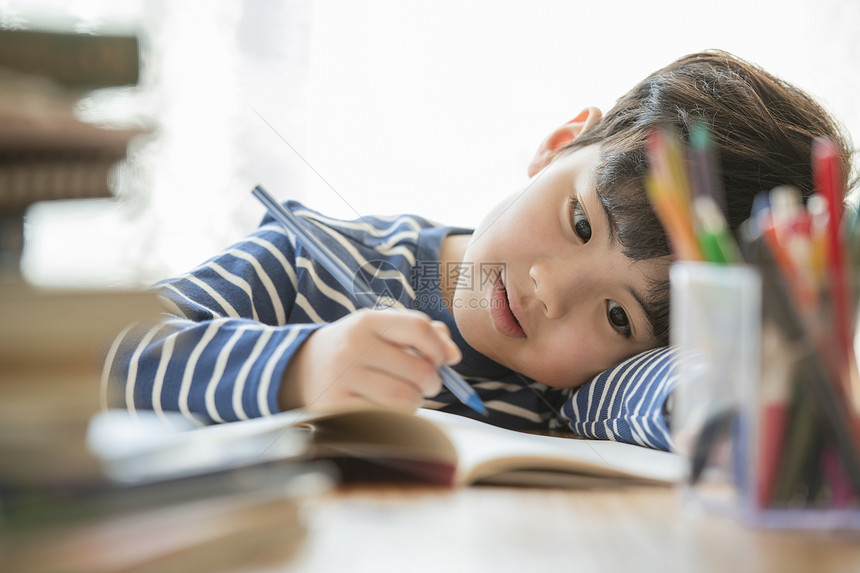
{"type": "Point", "coordinates": [618, 318]}
{"type": "Point", "coordinates": [578, 221]}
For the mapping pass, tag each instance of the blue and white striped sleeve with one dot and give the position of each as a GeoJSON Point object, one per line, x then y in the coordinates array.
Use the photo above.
{"type": "Point", "coordinates": [220, 353]}
{"type": "Point", "coordinates": [628, 402]}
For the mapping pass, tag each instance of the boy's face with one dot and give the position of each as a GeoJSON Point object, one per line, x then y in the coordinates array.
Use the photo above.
{"type": "Point", "coordinates": [565, 305]}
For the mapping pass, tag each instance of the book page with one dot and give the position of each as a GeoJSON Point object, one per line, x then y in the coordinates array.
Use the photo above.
{"type": "Point", "coordinates": [485, 452]}
{"type": "Point", "coordinates": [381, 433]}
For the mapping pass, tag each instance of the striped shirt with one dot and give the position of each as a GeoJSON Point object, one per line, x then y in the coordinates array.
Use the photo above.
{"type": "Point", "coordinates": [235, 321]}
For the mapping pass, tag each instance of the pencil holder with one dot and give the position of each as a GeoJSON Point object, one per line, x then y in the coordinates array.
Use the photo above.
{"type": "Point", "coordinates": [749, 411]}
{"type": "Point", "coordinates": [716, 328]}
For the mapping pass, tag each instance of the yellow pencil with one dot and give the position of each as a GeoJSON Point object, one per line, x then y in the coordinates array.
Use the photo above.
{"type": "Point", "coordinates": [675, 220]}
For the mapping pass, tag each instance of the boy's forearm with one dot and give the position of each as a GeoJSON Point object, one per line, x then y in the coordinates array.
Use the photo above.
{"type": "Point", "coordinates": [222, 370]}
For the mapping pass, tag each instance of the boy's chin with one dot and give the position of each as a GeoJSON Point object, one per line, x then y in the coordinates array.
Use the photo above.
{"type": "Point", "coordinates": [560, 381]}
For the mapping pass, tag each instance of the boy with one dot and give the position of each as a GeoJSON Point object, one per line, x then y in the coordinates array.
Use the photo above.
{"type": "Point", "coordinates": [558, 283]}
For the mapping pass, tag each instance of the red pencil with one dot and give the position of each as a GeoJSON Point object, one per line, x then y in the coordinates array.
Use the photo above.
{"type": "Point", "coordinates": [827, 169]}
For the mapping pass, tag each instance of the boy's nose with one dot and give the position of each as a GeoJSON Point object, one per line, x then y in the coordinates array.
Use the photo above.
{"type": "Point", "coordinates": [560, 287]}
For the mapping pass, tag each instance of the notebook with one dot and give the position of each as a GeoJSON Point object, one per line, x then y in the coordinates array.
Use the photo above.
{"type": "Point", "coordinates": [446, 449]}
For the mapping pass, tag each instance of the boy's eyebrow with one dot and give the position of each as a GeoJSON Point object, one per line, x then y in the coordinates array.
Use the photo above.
{"type": "Point", "coordinates": [609, 220]}
{"type": "Point", "coordinates": [611, 225]}
{"type": "Point", "coordinates": [644, 307]}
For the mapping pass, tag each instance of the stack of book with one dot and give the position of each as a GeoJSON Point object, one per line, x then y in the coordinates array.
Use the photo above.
{"type": "Point", "coordinates": [51, 348]}
{"type": "Point", "coordinates": [86, 489]}
{"type": "Point", "coordinates": [50, 341]}
{"type": "Point", "coordinates": [64, 504]}
{"type": "Point", "coordinates": [46, 152]}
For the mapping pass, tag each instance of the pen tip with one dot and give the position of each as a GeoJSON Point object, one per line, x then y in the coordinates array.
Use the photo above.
{"type": "Point", "coordinates": [475, 403]}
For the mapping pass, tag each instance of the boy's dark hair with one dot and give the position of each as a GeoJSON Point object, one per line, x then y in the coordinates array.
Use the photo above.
{"type": "Point", "coordinates": [763, 129]}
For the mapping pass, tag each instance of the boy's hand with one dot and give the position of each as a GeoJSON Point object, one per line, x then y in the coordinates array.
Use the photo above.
{"type": "Point", "coordinates": [387, 358]}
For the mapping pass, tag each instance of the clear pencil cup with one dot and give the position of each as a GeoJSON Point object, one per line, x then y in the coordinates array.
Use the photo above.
{"type": "Point", "coordinates": [746, 400]}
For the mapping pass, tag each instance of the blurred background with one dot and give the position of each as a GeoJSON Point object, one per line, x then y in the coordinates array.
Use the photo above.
{"type": "Point", "coordinates": [370, 107]}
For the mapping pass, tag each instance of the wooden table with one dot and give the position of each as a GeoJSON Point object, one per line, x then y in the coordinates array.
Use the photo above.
{"type": "Point", "coordinates": [636, 529]}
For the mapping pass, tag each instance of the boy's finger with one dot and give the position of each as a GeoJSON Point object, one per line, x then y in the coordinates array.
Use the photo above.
{"type": "Point", "coordinates": [406, 366]}
{"type": "Point", "coordinates": [454, 355]}
{"type": "Point", "coordinates": [389, 392]}
{"type": "Point", "coordinates": [413, 329]}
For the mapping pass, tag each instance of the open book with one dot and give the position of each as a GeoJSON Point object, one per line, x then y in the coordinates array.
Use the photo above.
{"type": "Point", "coordinates": [446, 449]}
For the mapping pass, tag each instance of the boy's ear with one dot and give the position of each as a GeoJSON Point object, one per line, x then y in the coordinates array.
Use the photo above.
{"type": "Point", "coordinates": [561, 137]}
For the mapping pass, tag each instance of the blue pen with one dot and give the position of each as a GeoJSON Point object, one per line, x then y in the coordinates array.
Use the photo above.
{"type": "Point", "coordinates": [352, 281]}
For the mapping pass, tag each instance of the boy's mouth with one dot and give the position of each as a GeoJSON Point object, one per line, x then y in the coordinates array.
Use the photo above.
{"type": "Point", "coordinates": [503, 317]}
